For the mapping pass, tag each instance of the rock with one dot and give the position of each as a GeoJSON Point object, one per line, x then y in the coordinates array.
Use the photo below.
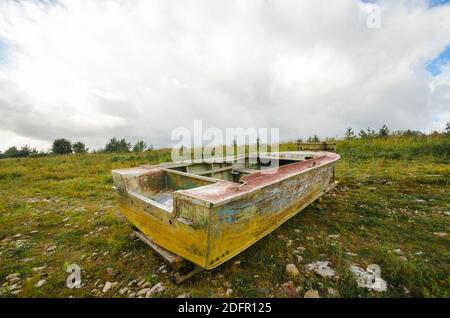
{"type": "Point", "coordinates": [158, 288]}
{"type": "Point", "coordinates": [311, 294]}
{"type": "Point", "coordinates": [127, 254]}
{"type": "Point", "coordinates": [292, 270]}
{"type": "Point", "coordinates": [108, 286]}
{"type": "Point", "coordinates": [38, 269]}
{"type": "Point", "coordinates": [351, 254]}
{"type": "Point", "coordinates": [17, 291]}
{"type": "Point", "coordinates": [146, 284]}
{"type": "Point", "coordinates": [370, 278]}
{"type": "Point", "coordinates": [333, 236]}
{"type": "Point", "coordinates": [332, 292]}
{"type": "Point", "coordinates": [229, 292]}
{"type": "Point", "coordinates": [256, 276]}
{"type": "Point", "coordinates": [123, 290]}
{"type": "Point", "coordinates": [288, 289]}
{"type": "Point", "coordinates": [403, 258]}
{"type": "Point", "coordinates": [162, 269]}
{"type": "Point", "coordinates": [95, 291]}
{"type": "Point", "coordinates": [17, 235]}
{"type": "Point", "coordinates": [132, 295]}
{"type": "Point", "coordinates": [40, 283]}
{"type": "Point", "coordinates": [132, 283]}
{"type": "Point", "coordinates": [14, 280]}
{"type": "Point", "coordinates": [142, 281]}
{"type": "Point", "coordinates": [321, 268]}
{"type": "Point", "coordinates": [11, 276]}
{"type": "Point", "coordinates": [237, 263]}
{"type": "Point", "coordinates": [34, 232]}
{"type": "Point", "coordinates": [27, 260]}
{"type": "Point", "coordinates": [15, 287]}
{"type": "Point", "coordinates": [440, 234]}
{"type": "Point", "coordinates": [66, 219]}
{"type": "Point", "coordinates": [398, 251]}
{"type": "Point", "coordinates": [264, 291]}
{"type": "Point", "coordinates": [299, 258]}
{"type": "Point", "coordinates": [143, 291]}
{"type": "Point", "coordinates": [51, 248]}
{"type": "Point", "coordinates": [185, 295]}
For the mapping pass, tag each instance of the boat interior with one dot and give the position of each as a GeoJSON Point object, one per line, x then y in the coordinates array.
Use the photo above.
{"type": "Point", "coordinates": [159, 188]}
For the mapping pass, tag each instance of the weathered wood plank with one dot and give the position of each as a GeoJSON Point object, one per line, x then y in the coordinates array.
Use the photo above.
{"type": "Point", "coordinates": [173, 260]}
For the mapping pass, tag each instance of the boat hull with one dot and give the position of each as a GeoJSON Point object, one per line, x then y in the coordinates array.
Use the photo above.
{"type": "Point", "coordinates": [210, 222]}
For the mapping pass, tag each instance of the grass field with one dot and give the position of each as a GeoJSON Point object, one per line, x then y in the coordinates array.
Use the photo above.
{"type": "Point", "coordinates": [391, 208]}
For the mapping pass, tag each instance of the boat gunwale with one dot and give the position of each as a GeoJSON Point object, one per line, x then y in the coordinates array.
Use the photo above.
{"type": "Point", "coordinates": [258, 187]}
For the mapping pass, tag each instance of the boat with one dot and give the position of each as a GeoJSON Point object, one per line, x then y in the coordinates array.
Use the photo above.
{"type": "Point", "coordinates": [210, 210]}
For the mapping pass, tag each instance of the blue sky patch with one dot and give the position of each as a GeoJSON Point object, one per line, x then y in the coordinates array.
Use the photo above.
{"type": "Point", "coordinates": [436, 64]}
{"type": "Point", "coordinates": [4, 51]}
{"type": "Point", "coordinates": [435, 3]}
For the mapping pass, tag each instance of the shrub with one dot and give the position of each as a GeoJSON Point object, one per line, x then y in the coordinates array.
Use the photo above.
{"type": "Point", "coordinates": [140, 146]}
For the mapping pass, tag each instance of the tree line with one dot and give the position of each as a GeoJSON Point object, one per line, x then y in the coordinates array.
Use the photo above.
{"type": "Point", "coordinates": [64, 146]}
{"type": "Point", "coordinates": [384, 132]}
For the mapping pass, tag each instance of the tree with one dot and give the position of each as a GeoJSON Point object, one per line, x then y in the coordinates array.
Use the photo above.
{"type": "Point", "coordinates": [368, 133]}
{"type": "Point", "coordinates": [362, 133]}
{"type": "Point", "coordinates": [25, 151]}
{"type": "Point", "coordinates": [11, 152]}
{"type": "Point", "coordinates": [115, 145]}
{"type": "Point", "coordinates": [447, 129]}
{"type": "Point", "coordinates": [349, 134]}
{"type": "Point", "coordinates": [62, 146]}
{"type": "Point", "coordinates": [383, 132]}
{"type": "Point", "coordinates": [314, 139]}
{"type": "Point", "coordinates": [79, 147]}
{"type": "Point", "coordinates": [140, 146]}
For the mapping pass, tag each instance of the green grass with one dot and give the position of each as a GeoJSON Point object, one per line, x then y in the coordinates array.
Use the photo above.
{"type": "Point", "coordinates": [393, 193]}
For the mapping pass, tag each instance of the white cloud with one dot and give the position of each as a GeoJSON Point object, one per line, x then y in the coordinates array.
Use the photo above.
{"type": "Point", "coordinates": [91, 70]}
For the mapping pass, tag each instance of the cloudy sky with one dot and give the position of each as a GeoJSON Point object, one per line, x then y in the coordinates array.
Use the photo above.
{"type": "Point", "coordinates": [91, 70]}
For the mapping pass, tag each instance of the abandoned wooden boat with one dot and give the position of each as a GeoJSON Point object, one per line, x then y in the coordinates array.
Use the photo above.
{"type": "Point", "coordinates": [209, 211]}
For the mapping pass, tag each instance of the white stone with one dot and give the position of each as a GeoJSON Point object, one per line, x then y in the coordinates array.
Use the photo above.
{"type": "Point", "coordinates": [158, 288]}
{"type": "Point", "coordinates": [321, 268]}
{"type": "Point", "coordinates": [370, 278]}
{"type": "Point", "coordinates": [11, 276]}
{"type": "Point", "coordinates": [311, 294]}
{"type": "Point", "coordinates": [40, 283]}
{"type": "Point", "coordinates": [51, 248]}
{"type": "Point", "coordinates": [108, 286]}
{"type": "Point", "coordinates": [123, 290]}
{"type": "Point", "coordinates": [143, 291]}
